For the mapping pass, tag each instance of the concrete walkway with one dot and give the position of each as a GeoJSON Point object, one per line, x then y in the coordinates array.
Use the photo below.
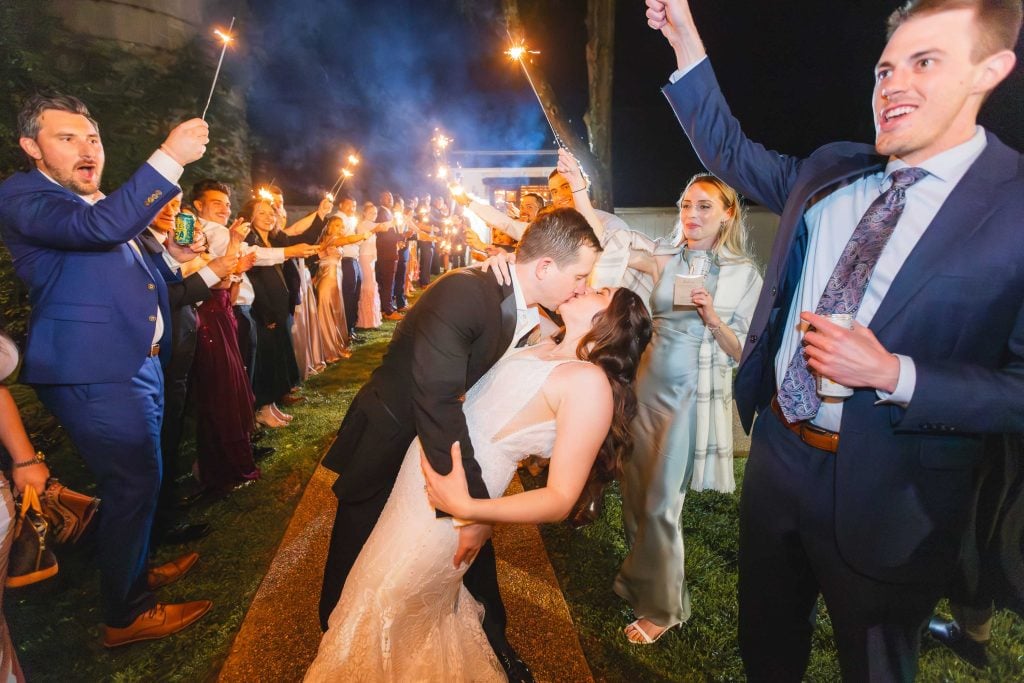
{"type": "Point", "coordinates": [280, 633]}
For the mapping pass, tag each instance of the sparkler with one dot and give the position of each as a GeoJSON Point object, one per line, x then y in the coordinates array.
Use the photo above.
{"type": "Point", "coordinates": [345, 175]}
{"type": "Point", "coordinates": [517, 53]}
{"type": "Point", "coordinates": [226, 38]}
{"type": "Point", "coordinates": [265, 195]}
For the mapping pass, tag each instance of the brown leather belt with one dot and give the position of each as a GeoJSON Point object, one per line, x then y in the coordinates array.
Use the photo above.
{"type": "Point", "coordinates": [154, 350]}
{"type": "Point", "coordinates": [808, 433]}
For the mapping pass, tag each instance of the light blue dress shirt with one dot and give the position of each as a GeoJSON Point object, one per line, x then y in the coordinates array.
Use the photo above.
{"type": "Point", "coordinates": [831, 222]}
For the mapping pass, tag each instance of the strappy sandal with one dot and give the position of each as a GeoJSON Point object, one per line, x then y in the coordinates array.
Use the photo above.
{"type": "Point", "coordinates": [647, 639]}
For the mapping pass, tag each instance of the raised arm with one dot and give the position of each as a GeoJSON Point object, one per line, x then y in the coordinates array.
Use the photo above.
{"type": "Point", "coordinates": [583, 412]}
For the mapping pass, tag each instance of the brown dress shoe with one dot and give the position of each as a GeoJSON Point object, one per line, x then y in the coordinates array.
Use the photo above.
{"type": "Point", "coordinates": [162, 620]}
{"type": "Point", "coordinates": [166, 574]}
{"type": "Point", "coordinates": [292, 400]}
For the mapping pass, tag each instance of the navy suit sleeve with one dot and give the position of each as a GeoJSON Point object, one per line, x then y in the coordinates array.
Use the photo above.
{"type": "Point", "coordinates": [952, 396]}
{"type": "Point", "coordinates": [760, 174]}
{"type": "Point", "coordinates": [448, 323]}
{"type": "Point", "coordinates": [52, 217]}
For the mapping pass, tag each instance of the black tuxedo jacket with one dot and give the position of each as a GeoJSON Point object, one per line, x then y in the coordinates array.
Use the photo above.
{"type": "Point", "coordinates": [459, 328]}
{"type": "Point", "coordinates": [182, 296]}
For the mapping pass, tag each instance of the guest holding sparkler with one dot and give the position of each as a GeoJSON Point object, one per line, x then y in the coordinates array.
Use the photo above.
{"type": "Point", "coordinates": [330, 310]}
{"type": "Point", "coordinates": [277, 370]}
{"type": "Point", "coordinates": [683, 427]}
{"type": "Point", "coordinates": [369, 296]}
{"type": "Point", "coordinates": [351, 275]}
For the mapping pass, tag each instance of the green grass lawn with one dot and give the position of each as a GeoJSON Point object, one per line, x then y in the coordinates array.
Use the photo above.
{"type": "Point", "coordinates": [705, 648]}
{"type": "Point", "coordinates": [55, 625]}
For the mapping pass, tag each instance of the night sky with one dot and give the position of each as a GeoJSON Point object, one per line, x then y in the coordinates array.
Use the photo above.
{"type": "Point", "coordinates": [326, 76]}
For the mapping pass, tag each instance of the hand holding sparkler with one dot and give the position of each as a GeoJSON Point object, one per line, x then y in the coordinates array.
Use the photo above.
{"type": "Point", "coordinates": [459, 194]}
{"type": "Point", "coordinates": [187, 142]}
{"type": "Point", "coordinates": [570, 169]}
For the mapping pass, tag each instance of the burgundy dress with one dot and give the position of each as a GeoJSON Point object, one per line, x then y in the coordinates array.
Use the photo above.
{"type": "Point", "coordinates": [223, 397]}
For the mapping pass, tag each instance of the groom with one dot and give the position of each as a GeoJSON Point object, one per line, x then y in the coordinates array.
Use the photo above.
{"type": "Point", "coordinates": [461, 326]}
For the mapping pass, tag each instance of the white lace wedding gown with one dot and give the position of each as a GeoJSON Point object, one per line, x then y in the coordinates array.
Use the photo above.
{"type": "Point", "coordinates": [404, 614]}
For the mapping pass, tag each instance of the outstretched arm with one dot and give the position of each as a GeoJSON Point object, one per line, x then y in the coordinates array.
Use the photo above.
{"type": "Point", "coordinates": [582, 422]}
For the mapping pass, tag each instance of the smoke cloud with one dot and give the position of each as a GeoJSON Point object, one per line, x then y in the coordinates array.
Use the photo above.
{"type": "Point", "coordinates": [328, 77]}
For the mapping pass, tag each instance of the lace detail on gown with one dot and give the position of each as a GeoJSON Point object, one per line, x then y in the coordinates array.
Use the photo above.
{"type": "Point", "coordinates": [404, 614]}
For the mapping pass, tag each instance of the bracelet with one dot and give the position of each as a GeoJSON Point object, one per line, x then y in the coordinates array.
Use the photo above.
{"type": "Point", "coordinates": [582, 189]}
{"type": "Point", "coordinates": [714, 329]}
{"type": "Point", "coordinates": [37, 459]}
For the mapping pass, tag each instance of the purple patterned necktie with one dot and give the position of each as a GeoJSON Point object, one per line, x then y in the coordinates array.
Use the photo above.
{"type": "Point", "coordinates": [798, 397]}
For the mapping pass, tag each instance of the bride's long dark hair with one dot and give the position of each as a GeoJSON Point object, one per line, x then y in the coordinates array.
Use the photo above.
{"type": "Point", "coordinates": [616, 340]}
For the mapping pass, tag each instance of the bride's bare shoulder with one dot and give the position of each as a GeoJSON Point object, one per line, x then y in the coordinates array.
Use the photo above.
{"type": "Point", "coordinates": [582, 381]}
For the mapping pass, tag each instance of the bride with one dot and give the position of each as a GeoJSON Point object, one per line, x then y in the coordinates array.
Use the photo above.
{"type": "Point", "coordinates": [404, 614]}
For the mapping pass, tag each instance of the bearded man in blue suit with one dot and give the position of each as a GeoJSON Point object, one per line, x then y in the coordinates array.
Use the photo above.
{"type": "Point", "coordinates": [864, 500]}
{"type": "Point", "coordinates": [99, 319]}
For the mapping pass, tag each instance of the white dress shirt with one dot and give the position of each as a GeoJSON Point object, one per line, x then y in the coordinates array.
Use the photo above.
{"type": "Point", "coordinates": [831, 222]}
{"type": "Point", "coordinates": [527, 317]}
{"type": "Point", "coordinates": [217, 239]}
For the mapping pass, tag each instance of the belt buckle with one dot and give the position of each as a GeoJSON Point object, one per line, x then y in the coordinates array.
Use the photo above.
{"type": "Point", "coordinates": [154, 350]}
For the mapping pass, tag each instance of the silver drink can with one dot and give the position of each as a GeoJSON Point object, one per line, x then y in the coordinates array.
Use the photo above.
{"type": "Point", "coordinates": [827, 387]}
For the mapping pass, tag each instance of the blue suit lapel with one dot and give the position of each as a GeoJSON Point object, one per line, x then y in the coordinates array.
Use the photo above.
{"type": "Point", "coordinates": [974, 198]}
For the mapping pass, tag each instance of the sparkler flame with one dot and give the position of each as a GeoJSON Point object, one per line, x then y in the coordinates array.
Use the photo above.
{"type": "Point", "coordinates": [329, 197]}
{"type": "Point", "coordinates": [353, 160]}
{"type": "Point", "coordinates": [442, 172]}
{"type": "Point", "coordinates": [226, 37]}
{"type": "Point", "coordinates": [517, 52]}
{"type": "Point", "coordinates": [265, 195]}
{"type": "Point", "coordinates": [347, 173]}
{"type": "Point", "coordinates": [457, 190]}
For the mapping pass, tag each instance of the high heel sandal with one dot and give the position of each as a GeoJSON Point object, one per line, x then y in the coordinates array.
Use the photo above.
{"type": "Point", "coordinates": [647, 639]}
{"type": "Point", "coordinates": [266, 417]}
{"type": "Point", "coordinates": [280, 414]}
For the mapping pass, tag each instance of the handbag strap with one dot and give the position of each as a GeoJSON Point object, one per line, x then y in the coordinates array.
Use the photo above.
{"type": "Point", "coordinates": [30, 501]}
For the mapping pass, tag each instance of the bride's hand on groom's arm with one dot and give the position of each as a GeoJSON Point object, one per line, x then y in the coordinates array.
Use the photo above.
{"type": "Point", "coordinates": [448, 492]}
{"type": "Point", "coordinates": [451, 493]}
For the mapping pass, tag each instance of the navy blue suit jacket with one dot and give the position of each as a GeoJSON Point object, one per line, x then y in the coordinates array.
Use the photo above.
{"type": "Point", "coordinates": [94, 298]}
{"type": "Point", "coordinates": [956, 307]}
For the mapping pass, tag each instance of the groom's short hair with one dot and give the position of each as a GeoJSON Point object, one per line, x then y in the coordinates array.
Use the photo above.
{"type": "Point", "coordinates": [557, 235]}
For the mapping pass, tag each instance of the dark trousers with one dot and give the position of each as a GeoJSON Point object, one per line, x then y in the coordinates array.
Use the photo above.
{"type": "Point", "coordinates": [175, 398]}
{"type": "Point", "coordinates": [426, 250]}
{"type": "Point", "coordinates": [401, 268]}
{"type": "Point", "coordinates": [351, 288]}
{"type": "Point", "coordinates": [115, 427]}
{"type": "Point", "coordinates": [788, 555]}
{"type": "Point", "coordinates": [353, 523]}
{"type": "Point", "coordinates": [385, 270]}
{"type": "Point", "coordinates": [247, 339]}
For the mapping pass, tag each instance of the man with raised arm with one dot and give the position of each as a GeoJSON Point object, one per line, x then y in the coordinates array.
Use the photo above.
{"type": "Point", "coordinates": [863, 499]}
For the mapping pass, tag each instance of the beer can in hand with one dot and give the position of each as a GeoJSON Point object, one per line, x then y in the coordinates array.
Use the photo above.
{"type": "Point", "coordinates": [826, 386]}
{"type": "Point", "coordinates": [184, 229]}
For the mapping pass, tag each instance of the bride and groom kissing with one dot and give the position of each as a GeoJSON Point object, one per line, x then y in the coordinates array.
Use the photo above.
{"type": "Point", "coordinates": [432, 440]}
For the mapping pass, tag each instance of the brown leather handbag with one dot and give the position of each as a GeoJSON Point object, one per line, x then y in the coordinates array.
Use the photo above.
{"type": "Point", "coordinates": [68, 512]}
{"type": "Point", "coordinates": [31, 559]}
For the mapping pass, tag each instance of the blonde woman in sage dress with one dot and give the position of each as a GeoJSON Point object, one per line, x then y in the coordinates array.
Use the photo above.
{"type": "Point", "coordinates": [683, 429]}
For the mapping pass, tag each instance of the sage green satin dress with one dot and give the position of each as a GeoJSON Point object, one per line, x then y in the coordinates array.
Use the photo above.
{"type": "Point", "coordinates": [657, 473]}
